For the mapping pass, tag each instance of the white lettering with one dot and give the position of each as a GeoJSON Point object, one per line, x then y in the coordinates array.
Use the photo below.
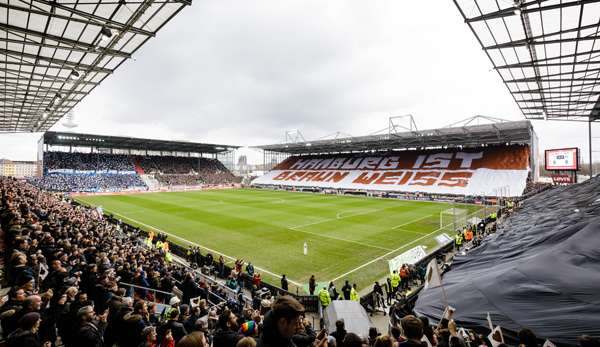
{"type": "Point", "coordinates": [467, 158]}
{"type": "Point", "coordinates": [351, 163]}
{"type": "Point", "coordinates": [299, 164]}
{"type": "Point", "coordinates": [337, 163]}
{"type": "Point", "coordinates": [369, 163]}
{"type": "Point", "coordinates": [438, 160]}
{"type": "Point", "coordinates": [389, 163]}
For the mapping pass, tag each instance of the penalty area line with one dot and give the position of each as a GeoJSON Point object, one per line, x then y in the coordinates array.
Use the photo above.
{"type": "Point", "coordinates": [412, 221]}
{"type": "Point", "coordinates": [196, 244]}
{"type": "Point", "coordinates": [385, 255]}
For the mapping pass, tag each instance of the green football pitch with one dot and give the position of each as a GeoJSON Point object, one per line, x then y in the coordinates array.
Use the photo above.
{"type": "Point", "coordinates": [349, 238]}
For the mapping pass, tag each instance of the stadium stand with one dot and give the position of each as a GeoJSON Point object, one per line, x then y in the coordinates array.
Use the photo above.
{"type": "Point", "coordinates": [75, 276]}
{"type": "Point", "coordinates": [461, 172]}
{"type": "Point", "coordinates": [539, 271]}
{"type": "Point", "coordinates": [97, 163]}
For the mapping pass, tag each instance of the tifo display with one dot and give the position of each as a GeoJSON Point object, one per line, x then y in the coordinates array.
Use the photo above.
{"type": "Point", "coordinates": [466, 172]}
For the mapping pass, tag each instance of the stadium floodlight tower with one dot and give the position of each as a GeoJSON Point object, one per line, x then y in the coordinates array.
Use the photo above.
{"type": "Point", "coordinates": [294, 136]}
{"type": "Point", "coordinates": [402, 123]}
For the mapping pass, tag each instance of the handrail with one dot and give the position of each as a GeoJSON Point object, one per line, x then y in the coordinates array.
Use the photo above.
{"type": "Point", "coordinates": [145, 288]}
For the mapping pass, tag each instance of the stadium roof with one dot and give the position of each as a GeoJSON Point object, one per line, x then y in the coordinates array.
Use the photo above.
{"type": "Point", "coordinates": [54, 52]}
{"type": "Point", "coordinates": [520, 132]}
{"type": "Point", "coordinates": [546, 52]}
{"type": "Point", "coordinates": [101, 141]}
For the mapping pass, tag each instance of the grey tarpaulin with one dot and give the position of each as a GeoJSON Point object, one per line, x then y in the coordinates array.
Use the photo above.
{"type": "Point", "coordinates": [356, 319]}
{"type": "Point", "coordinates": [541, 270]}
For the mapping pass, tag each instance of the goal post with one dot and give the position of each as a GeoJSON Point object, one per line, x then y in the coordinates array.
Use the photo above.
{"type": "Point", "coordinates": [453, 218]}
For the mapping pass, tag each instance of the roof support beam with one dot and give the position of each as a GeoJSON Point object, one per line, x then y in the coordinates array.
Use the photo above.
{"type": "Point", "coordinates": [534, 64]}
{"type": "Point", "coordinates": [90, 49]}
{"type": "Point", "coordinates": [59, 62]}
{"type": "Point", "coordinates": [510, 11]}
{"type": "Point", "coordinates": [95, 19]}
{"type": "Point", "coordinates": [533, 42]}
{"type": "Point", "coordinates": [43, 80]}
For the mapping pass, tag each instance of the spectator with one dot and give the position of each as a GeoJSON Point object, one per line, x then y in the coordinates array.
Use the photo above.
{"type": "Point", "coordinates": [90, 333]}
{"type": "Point", "coordinates": [413, 332]}
{"type": "Point", "coordinates": [527, 338]}
{"type": "Point", "coordinates": [352, 340]}
{"type": "Point", "coordinates": [281, 322]}
{"type": "Point", "coordinates": [171, 328]}
{"type": "Point", "coordinates": [383, 341]}
{"type": "Point", "coordinates": [246, 342]}
{"type": "Point", "coordinates": [227, 334]}
{"type": "Point", "coordinates": [340, 332]}
{"type": "Point", "coordinates": [26, 334]}
{"type": "Point", "coordinates": [194, 339]}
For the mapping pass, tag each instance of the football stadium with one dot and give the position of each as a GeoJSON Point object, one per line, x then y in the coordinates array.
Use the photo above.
{"type": "Point", "coordinates": [461, 233]}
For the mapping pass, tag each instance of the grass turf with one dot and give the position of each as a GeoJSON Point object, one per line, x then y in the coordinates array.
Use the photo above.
{"type": "Point", "coordinates": [348, 237]}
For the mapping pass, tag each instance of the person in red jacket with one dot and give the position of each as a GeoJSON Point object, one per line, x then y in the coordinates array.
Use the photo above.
{"type": "Point", "coordinates": [404, 274]}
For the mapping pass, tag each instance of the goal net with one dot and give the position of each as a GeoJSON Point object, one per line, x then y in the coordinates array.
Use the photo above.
{"type": "Point", "coordinates": [453, 219]}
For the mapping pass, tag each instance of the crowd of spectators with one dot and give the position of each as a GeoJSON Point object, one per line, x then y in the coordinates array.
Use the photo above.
{"type": "Point", "coordinates": [100, 175]}
{"type": "Point", "coordinates": [59, 182]}
{"type": "Point", "coordinates": [86, 161]}
{"type": "Point", "coordinates": [168, 164]}
{"type": "Point", "coordinates": [179, 179]}
{"type": "Point", "coordinates": [173, 170]}
{"type": "Point", "coordinates": [69, 273]}
{"type": "Point", "coordinates": [77, 279]}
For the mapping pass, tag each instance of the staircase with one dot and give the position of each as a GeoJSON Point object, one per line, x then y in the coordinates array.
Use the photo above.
{"type": "Point", "coordinates": [150, 181]}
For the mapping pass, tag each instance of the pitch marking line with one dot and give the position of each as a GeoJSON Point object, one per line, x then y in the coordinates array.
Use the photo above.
{"type": "Point", "coordinates": [340, 215]}
{"type": "Point", "coordinates": [385, 255]}
{"type": "Point", "coordinates": [206, 248]}
{"type": "Point", "coordinates": [337, 217]}
{"type": "Point", "coordinates": [340, 239]}
{"type": "Point", "coordinates": [412, 221]}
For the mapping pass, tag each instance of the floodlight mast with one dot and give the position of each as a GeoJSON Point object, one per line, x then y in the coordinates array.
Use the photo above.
{"type": "Point", "coordinates": [402, 123]}
{"type": "Point", "coordinates": [294, 136]}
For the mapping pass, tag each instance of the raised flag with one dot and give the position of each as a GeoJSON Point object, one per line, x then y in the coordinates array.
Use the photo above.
{"type": "Point", "coordinates": [489, 319]}
{"type": "Point", "coordinates": [432, 277]}
{"type": "Point", "coordinates": [496, 337]}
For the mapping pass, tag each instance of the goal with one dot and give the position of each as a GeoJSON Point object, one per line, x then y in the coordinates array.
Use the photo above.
{"type": "Point", "coordinates": [453, 218]}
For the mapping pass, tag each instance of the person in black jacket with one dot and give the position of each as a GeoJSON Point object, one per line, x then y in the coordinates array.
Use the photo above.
{"type": "Point", "coordinates": [340, 332]}
{"type": "Point", "coordinates": [133, 325]}
{"type": "Point", "coordinates": [281, 323]}
{"type": "Point", "coordinates": [227, 333]}
{"type": "Point", "coordinates": [413, 332]}
{"type": "Point", "coordinates": [346, 289]}
{"type": "Point", "coordinates": [177, 329]}
{"type": "Point", "coordinates": [305, 335]}
{"type": "Point", "coordinates": [190, 289]}
{"type": "Point", "coordinates": [284, 283]}
{"type": "Point", "coordinates": [91, 331]}
{"type": "Point", "coordinates": [26, 335]}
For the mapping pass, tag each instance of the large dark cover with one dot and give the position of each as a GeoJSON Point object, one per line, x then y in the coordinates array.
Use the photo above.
{"type": "Point", "coordinates": [541, 270]}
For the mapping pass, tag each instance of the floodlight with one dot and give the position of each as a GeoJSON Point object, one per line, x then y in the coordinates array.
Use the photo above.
{"type": "Point", "coordinates": [106, 34]}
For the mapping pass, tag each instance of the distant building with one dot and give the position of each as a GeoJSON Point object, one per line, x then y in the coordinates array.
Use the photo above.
{"type": "Point", "coordinates": [19, 169]}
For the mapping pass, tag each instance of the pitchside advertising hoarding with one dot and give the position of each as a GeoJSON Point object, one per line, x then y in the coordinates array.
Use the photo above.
{"type": "Point", "coordinates": [562, 159]}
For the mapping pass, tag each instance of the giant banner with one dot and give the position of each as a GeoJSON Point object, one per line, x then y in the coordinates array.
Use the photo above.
{"type": "Point", "coordinates": [488, 171]}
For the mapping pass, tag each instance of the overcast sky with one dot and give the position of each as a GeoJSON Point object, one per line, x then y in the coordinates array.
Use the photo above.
{"type": "Point", "coordinates": [244, 72]}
